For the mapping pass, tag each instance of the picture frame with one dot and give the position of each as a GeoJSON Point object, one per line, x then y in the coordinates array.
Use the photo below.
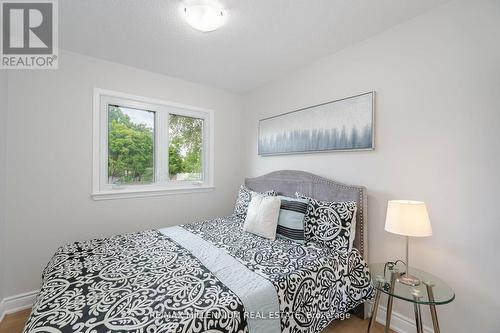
{"type": "Point", "coordinates": [346, 124]}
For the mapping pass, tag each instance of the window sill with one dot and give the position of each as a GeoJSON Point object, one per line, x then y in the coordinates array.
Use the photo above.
{"type": "Point", "coordinates": [144, 193]}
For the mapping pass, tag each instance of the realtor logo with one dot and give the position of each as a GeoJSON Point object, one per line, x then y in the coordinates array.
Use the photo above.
{"type": "Point", "coordinates": [29, 34]}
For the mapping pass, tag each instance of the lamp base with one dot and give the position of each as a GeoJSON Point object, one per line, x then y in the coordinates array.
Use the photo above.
{"type": "Point", "coordinates": [409, 280]}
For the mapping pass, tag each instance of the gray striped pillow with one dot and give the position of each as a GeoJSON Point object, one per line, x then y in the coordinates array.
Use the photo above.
{"type": "Point", "coordinates": [291, 219]}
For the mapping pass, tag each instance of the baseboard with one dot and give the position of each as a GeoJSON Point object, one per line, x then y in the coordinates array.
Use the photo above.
{"type": "Point", "coordinates": [399, 323]}
{"type": "Point", "coordinates": [17, 303]}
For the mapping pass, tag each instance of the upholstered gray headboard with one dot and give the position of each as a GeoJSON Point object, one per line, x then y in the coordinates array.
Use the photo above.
{"type": "Point", "coordinates": [287, 182]}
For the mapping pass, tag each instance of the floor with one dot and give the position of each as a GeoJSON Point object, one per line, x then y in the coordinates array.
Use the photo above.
{"type": "Point", "coordinates": [14, 323]}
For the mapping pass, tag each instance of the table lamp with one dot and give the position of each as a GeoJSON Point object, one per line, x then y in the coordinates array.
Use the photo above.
{"type": "Point", "coordinates": [408, 218]}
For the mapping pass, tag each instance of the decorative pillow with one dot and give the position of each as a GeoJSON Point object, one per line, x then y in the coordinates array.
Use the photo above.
{"type": "Point", "coordinates": [291, 218]}
{"type": "Point", "coordinates": [262, 216]}
{"type": "Point", "coordinates": [244, 196]}
{"type": "Point", "coordinates": [330, 224]}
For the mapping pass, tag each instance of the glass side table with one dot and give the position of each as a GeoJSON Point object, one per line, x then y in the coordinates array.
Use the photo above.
{"type": "Point", "coordinates": [431, 291]}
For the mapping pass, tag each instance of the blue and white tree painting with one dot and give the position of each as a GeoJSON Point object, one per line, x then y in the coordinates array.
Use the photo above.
{"type": "Point", "coordinates": [340, 125]}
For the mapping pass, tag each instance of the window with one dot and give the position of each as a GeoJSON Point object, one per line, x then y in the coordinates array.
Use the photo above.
{"type": "Point", "coordinates": [145, 147]}
{"type": "Point", "coordinates": [131, 141]}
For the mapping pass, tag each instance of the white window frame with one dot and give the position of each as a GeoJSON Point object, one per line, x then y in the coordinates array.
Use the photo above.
{"type": "Point", "coordinates": [101, 190]}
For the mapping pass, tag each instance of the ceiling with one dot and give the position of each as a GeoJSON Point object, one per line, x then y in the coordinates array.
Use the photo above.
{"type": "Point", "coordinates": [261, 40]}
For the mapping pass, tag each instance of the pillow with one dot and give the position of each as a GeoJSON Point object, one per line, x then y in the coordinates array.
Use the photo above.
{"type": "Point", "coordinates": [330, 224]}
{"type": "Point", "coordinates": [244, 196]}
{"type": "Point", "coordinates": [291, 219]}
{"type": "Point", "coordinates": [262, 216]}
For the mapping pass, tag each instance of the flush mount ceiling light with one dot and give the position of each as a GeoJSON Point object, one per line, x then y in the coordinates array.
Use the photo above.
{"type": "Point", "coordinates": [204, 18]}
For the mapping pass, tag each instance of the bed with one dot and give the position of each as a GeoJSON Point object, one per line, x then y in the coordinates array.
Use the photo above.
{"type": "Point", "coordinates": [208, 276]}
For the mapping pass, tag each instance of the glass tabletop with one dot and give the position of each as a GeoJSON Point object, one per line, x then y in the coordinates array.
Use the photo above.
{"type": "Point", "coordinates": [441, 292]}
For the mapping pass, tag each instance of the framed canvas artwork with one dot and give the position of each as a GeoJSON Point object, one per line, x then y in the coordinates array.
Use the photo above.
{"type": "Point", "coordinates": [345, 124]}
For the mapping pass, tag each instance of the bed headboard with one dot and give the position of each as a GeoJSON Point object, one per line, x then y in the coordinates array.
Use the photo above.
{"type": "Point", "coordinates": [287, 182]}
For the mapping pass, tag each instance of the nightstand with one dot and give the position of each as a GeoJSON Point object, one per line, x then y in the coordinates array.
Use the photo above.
{"type": "Point", "coordinates": [431, 291]}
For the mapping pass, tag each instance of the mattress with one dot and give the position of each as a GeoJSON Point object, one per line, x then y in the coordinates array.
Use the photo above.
{"type": "Point", "coordinates": [208, 276]}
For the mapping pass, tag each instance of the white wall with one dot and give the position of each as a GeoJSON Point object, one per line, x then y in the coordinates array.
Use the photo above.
{"type": "Point", "coordinates": [437, 79]}
{"type": "Point", "coordinates": [49, 162]}
{"type": "Point", "coordinates": [3, 145]}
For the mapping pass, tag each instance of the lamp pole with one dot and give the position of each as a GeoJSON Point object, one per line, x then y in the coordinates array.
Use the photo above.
{"type": "Point", "coordinates": [407, 255]}
{"type": "Point", "coordinates": [406, 278]}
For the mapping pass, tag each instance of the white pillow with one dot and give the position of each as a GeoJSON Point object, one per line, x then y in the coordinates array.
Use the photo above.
{"type": "Point", "coordinates": [262, 216]}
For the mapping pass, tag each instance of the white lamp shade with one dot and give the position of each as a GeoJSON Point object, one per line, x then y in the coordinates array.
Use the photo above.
{"type": "Point", "coordinates": [408, 218]}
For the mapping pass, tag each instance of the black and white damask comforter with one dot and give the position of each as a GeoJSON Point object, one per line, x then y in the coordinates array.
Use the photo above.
{"type": "Point", "coordinates": [208, 276]}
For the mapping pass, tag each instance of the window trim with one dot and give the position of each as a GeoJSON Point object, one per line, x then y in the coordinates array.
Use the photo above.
{"type": "Point", "coordinates": [162, 186]}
